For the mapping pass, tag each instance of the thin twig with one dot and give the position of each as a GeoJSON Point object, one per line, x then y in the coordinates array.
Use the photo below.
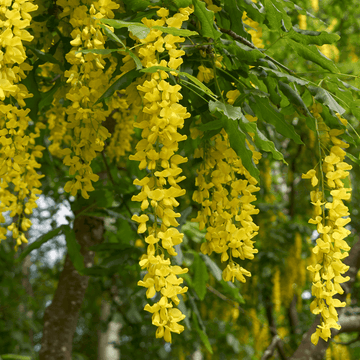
{"type": "Point", "coordinates": [251, 45]}
{"type": "Point", "coordinates": [268, 353]}
{"type": "Point", "coordinates": [55, 78]}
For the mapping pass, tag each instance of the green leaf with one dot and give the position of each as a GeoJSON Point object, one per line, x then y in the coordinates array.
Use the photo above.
{"type": "Point", "coordinates": [260, 139]}
{"type": "Point", "coordinates": [231, 7]}
{"type": "Point", "coordinates": [204, 338]}
{"type": "Point", "coordinates": [243, 52]}
{"type": "Point", "coordinates": [263, 143]}
{"type": "Point", "coordinates": [203, 87]}
{"type": "Point", "coordinates": [286, 22]}
{"type": "Point", "coordinates": [141, 32]}
{"type": "Point", "coordinates": [32, 102]}
{"type": "Point", "coordinates": [182, 307]}
{"type": "Point", "coordinates": [325, 98]}
{"type": "Point", "coordinates": [97, 51]}
{"type": "Point", "coordinates": [40, 241]}
{"type": "Point", "coordinates": [14, 357]}
{"type": "Point", "coordinates": [269, 114]}
{"type": "Point", "coordinates": [272, 88]}
{"type": "Point", "coordinates": [281, 75]}
{"type": "Point", "coordinates": [181, 3]}
{"type": "Point", "coordinates": [294, 97]}
{"type": "Point", "coordinates": [136, 59]}
{"type": "Point", "coordinates": [121, 83]}
{"type": "Point", "coordinates": [212, 125]}
{"type": "Point", "coordinates": [199, 84]}
{"type": "Point", "coordinates": [118, 24]}
{"type": "Point", "coordinates": [45, 58]}
{"type": "Point", "coordinates": [274, 16]}
{"type": "Point", "coordinates": [136, 5]}
{"type": "Point", "coordinates": [200, 277]}
{"type": "Point", "coordinates": [174, 31]}
{"type": "Point", "coordinates": [353, 158]}
{"type": "Point", "coordinates": [73, 249]}
{"type": "Point", "coordinates": [215, 270]}
{"type": "Point", "coordinates": [237, 142]}
{"type": "Point", "coordinates": [307, 37]}
{"type": "Point", "coordinates": [112, 36]}
{"type": "Point", "coordinates": [236, 136]}
{"type": "Point", "coordinates": [109, 51]}
{"type": "Point", "coordinates": [232, 291]}
{"type": "Point", "coordinates": [48, 97]}
{"type": "Point", "coordinates": [254, 11]}
{"type": "Point", "coordinates": [206, 18]}
{"type": "Point", "coordinates": [313, 54]}
{"type": "Point", "coordinates": [230, 111]}
{"type": "Point", "coordinates": [153, 69]}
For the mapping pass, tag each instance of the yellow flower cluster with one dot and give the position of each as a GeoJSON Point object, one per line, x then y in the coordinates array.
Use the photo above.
{"type": "Point", "coordinates": [331, 217]}
{"type": "Point", "coordinates": [211, 6]}
{"type": "Point", "coordinates": [87, 82]}
{"type": "Point", "coordinates": [205, 74]}
{"type": "Point", "coordinates": [276, 293]}
{"type": "Point", "coordinates": [254, 29]}
{"type": "Point", "coordinates": [315, 5]}
{"type": "Point", "coordinates": [260, 333]}
{"type": "Point", "coordinates": [227, 207]}
{"type": "Point", "coordinates": [302, 21]}
{"type": "Point", "coordinates": [160, 119]}
{"type": "Point", "coordinates": [337, 351]}
{"type": "Point", "coordinates": [19, 180]}
{"type": "Point", "coordinates": [123, 117]}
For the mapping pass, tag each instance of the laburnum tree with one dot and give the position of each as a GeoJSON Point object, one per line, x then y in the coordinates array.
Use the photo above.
{"type": "Point", "coordinates": [208, 151]}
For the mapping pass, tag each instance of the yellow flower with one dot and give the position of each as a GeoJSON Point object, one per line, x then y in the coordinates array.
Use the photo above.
{"type": "Point", "coordinates": [330, 246]}
{"type": "Point", "coordinates": [161, 118]}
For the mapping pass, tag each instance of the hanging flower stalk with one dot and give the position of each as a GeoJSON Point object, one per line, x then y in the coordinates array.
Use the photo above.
{"type": "Point", "coordinates": [19, 180]}
{"type": "Point", "coordinates": [160, 119]}
{"type": "Point", "coordinates": [225, 192]}
{"type": "Point", "coordinates": [331, 218]}
{"type": "Point", "coordinates": [87, 80]}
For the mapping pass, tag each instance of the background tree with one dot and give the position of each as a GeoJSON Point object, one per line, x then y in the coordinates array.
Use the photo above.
{"type": "Point", "coordinates": [222, 106]}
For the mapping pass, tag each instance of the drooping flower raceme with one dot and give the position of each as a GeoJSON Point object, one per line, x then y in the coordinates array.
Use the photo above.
{"type": "Point", "coordinates": [225, 191]}
{"type": "Point", "coordinates": [19, 180]}
{"type": "Point", "coordinates": [330, 218]}
{"type": "Point", "coordinates": [88, 80]}
{"type": "Point", "coordinates": [160, 119]}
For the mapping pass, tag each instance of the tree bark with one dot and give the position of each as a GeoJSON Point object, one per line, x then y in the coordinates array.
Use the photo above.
{"type": "Point", "coordinates": [106, 349]}
{"type": "Point", "coordinates": [24, 307]}
{"type": "Point", "coordinates": [61, 316]}
{"type": "Point", "coordinates": [308, 351]}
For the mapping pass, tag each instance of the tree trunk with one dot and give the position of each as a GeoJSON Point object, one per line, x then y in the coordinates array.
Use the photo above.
{"type": "Point", "coordinates": [24, 307]}
{"type": "Point", "coordinates": [106, 350]}
{"type": "Point", "coordinates": [61, 316]}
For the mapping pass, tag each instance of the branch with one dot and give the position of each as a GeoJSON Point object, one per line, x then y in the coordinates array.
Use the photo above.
{"type": "Point", "coordinates": [349, 323]}
{"type": "Point", "coordinates": [268, 353]}
{"type": "Point", "coordinates": [251, 45]}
